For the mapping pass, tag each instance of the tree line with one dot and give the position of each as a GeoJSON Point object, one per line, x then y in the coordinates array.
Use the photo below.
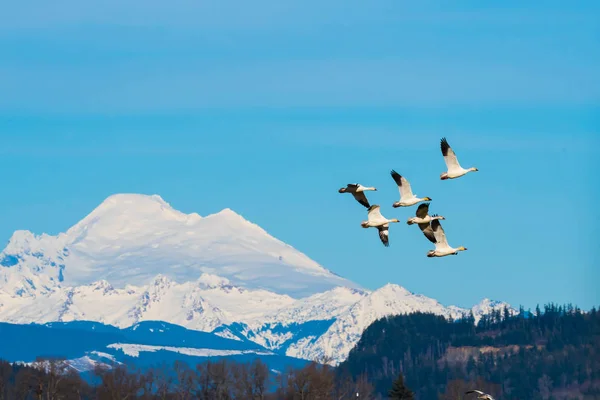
{"type": "Point", "coordinates": [547, 354]}
{"type": "Point", "coordinates": [211, 380]}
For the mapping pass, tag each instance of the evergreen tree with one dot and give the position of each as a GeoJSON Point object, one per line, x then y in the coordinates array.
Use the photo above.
{"type": "Point", "coordinates": [400, 391]}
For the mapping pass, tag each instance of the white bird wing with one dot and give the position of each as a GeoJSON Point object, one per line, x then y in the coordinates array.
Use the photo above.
{"type": "Point", "coordinates": [375, 216]}
{"type": "Point", "coordinates": [440, 236]}
{"type": "Point", "coordinates": [384, 234]}
{"type": "Point", "coordinates": [449, 156]}
{"type": "Point", "coordinates": [403, 185]}
{"type": "Point", "coordinates": [474, 391]}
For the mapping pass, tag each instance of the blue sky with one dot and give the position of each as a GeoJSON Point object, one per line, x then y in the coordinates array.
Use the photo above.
{"type": "Point", "coordinates": [269, 108]}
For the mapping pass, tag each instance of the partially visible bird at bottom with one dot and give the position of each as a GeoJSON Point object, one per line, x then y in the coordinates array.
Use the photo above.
{"type": "Point", "coordinates": [480, 394]}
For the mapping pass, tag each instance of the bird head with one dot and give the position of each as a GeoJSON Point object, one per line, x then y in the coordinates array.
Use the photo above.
{"type": "Point", "coordinates": [342, 190]}
{"type": "Point", "coordinates": [364, 224]}
{"type": "Point", "coordinates": [461, 248]}
{"type": "Point", "coordinates": [395, 220]}
{"type": "Point", "coordinates": [427, 198]}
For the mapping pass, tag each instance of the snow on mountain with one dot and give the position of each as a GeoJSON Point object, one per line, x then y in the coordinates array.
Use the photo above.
{"type": "Point", "coordinates": [202, 305]}
{"type": "Point", "coordinates": [131, 238]}
{"type": "Point", "coordinates": [390, 300]}
{"type": "Point", "coordinates": [321, 306]}
{"type": "Point", "coordinates": [487, 306]}
{"type": "Point", "coordinates": [341, 337]}
{"type": "Point", "coordinates": [294, 322]}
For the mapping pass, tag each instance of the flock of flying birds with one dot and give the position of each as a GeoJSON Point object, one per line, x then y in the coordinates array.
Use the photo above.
{"type": "Point", "coordinates": [429, 224]}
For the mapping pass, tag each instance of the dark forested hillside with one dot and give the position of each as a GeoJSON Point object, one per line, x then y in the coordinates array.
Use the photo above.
{"type": "Point", "coordinates": [554, 354]}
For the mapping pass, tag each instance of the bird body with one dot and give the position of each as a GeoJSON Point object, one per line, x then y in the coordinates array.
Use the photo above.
{"type": "Point", "coordinates": [454, 169]}
{"type": "Point", "coordinates": [480, 394]}
{"type": "Point", "coordinates": [442, 248]}
{"type": "Point", "coordinates": [358, 191]}
{"type": "Point", "coordinates": [423, 219]}
{"type": "Point", "coordinates": [376, 220]}
{"type": "Point", "coordinates": [407, 197]}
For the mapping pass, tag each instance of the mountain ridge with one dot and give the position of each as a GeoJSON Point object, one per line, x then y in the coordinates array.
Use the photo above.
{"type": "Point", "coordinates": [325, 324]}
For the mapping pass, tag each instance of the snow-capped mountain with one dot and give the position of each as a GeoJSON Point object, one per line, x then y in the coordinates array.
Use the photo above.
{"type": "Point", "coordinates": [134, 259]}
{"type": "Point", "coordinates": [130, 239]}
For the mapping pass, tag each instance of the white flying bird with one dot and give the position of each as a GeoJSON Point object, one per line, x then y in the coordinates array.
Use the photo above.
{"type": "Point", "coordinates": [376, 220]}
{"type": "Point", "coordinates": [357, 190]}
{"type": "Point", "coordinates": [442, 248]}
{"type": "Point", "coordinates": [407, 198]}
{"type": "Point", "coordinates": [454, 168]}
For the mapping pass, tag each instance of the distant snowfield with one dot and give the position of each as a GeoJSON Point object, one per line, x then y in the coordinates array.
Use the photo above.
{"type": "Point", "coordinates": [135, 258]}
{"type": "Point", "coordinates": [134, 350]}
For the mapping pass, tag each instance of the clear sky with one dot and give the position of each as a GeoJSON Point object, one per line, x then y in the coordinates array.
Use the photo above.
{"type": "Point", "coordinates": [269, 107]}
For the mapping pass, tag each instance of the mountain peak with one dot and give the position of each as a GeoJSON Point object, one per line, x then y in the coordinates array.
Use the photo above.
{"type": "Point", "coordinates": [392, 289]}
{"type": "Point", "coordinates": [125, 208]}
{"type": "Point", "coordinates": [227, 214]}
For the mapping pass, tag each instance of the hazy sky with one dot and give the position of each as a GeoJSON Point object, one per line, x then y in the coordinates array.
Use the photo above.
{"type": "Point", "coordinates": [269, 107]}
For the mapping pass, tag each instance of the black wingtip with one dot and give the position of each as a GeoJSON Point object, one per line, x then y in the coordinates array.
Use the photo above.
{"type": "Point", "coordinates": [444, 146]}
{"type": "Point", "coordinates": [397, 177]}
